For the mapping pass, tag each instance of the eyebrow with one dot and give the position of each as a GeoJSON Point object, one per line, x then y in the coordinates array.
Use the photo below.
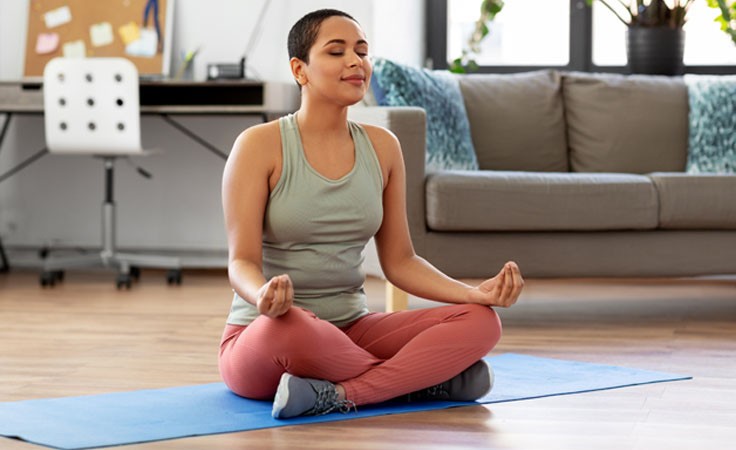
{"type": "Point", "coordinates": [343, 42]}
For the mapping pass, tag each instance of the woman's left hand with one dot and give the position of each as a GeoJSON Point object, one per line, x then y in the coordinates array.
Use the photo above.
{"type": "Point", "coordinates": [502, 290]}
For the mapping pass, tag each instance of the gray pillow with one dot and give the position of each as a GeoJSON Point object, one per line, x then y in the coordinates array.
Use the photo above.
{"type": "Point", "coordinates": [626, 123]}
{"type": "Point", "coordinates": [517, 120]}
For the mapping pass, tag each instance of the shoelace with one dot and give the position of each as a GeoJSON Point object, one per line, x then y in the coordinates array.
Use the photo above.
{"type": "Point", "coordinates": [327, 402]}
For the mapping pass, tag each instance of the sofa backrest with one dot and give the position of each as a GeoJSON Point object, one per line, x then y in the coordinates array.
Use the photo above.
{"type": "Point", "coordinates": [548, 121]}
{"type": "Point", "coordinates": [517, 120]}
{"type": "Point", "coordinates": [626, 123]}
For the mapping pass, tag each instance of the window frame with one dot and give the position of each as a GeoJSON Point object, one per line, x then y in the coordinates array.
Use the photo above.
{"type": "Point", "coordinates": [581, 50]}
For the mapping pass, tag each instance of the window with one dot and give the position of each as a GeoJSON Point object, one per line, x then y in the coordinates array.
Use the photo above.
{"type": "Point", "coordinates": [510, 41]}
{"type": "Point", "coordinates": [563, 34]}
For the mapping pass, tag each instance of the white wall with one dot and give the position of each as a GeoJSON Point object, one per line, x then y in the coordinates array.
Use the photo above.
{"type": "Point", "coordinates": [222, 28]}
{"type": "Point", "coordinates": [56, 200]}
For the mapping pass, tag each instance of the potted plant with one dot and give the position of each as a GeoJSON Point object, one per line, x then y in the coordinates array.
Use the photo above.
{"type": "Point", "coordinates": [655, 39]}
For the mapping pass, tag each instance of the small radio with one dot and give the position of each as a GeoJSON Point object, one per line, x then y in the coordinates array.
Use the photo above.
{"type": "Point", "coordinates": [226, 71]}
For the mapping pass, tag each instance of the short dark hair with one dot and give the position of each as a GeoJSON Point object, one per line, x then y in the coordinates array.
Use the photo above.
{"type": "Point", "coordinates": [304, 32]}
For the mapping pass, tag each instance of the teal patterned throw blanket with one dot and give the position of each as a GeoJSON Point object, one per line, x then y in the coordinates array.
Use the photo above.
{"type": "Point", "coordinates": [712, 147]}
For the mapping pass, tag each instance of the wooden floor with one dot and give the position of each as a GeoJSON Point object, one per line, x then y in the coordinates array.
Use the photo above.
{"type": "Point", "coordinates": [84, 337]}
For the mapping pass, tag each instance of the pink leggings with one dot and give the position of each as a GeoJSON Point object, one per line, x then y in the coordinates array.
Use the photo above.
{"type": "Point", "coordinates": [378, 357]}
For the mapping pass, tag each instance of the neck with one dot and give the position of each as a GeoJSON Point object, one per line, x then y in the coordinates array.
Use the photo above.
{"type": "Point", "coordinates": [322, 118]}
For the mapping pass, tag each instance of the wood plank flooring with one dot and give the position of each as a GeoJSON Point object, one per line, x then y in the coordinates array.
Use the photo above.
{"type": "Point", "coordinates": [85, 337]}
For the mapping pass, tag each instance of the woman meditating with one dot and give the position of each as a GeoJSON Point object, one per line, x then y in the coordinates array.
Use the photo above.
{"type": "Point", "coordinates": [302, 196]}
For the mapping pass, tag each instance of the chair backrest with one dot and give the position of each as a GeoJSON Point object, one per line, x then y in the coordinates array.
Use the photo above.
{"type": "Point", "coordinates": [91, 106]}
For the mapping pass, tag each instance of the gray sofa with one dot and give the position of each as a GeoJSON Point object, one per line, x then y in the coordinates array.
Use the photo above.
{"type": "Point", "coordinates": [581, 175]}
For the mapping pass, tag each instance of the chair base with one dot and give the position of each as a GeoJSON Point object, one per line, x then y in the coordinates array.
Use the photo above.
{"type": "Point", "coordinates": [127, 264]}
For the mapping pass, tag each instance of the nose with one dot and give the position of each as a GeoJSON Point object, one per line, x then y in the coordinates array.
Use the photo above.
{"type": "Point", "coordinates": [355, 60]}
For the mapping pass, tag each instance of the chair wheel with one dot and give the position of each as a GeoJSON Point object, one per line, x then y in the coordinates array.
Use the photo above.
{"type": "Point", "coordinates": [124, 281]}
{"type": "Point", "coordinates": [135, 273]}
{"type": "Point", "coordinates": [50, 277]}
{"type": "Point", "coordinates": [173, 277]}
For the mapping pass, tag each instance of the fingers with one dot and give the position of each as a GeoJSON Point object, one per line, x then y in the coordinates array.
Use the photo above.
{"type": "Point", "coordinates": [278, 297]}
{"type": "Point", "coordinates": [518, 281]}
{"type": "Point", "coordinates": [266, 298]}
{"type": "Point", "coordinates": [514, 284]}
{"type": "Point", "coordinates": [507, 286]}
{"type": "Point", "coordinates": [289, 291]}
{"type": "Point", "coordinates": [283, 295]}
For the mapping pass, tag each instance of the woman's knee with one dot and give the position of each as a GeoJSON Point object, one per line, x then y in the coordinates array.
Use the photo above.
{"type": "Point", "coordinates": [484, 323]}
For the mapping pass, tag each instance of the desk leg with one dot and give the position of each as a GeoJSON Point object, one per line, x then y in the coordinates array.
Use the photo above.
{"type": "Point", "coordinates": [4, 265]}
{"type": "Point", "coordinates": [396, 299]}
{"type": "Point", "coordinates": [8, 116]}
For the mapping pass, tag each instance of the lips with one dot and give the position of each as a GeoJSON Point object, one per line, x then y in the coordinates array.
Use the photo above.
{"type": "Point", "coordinates": [354, 79]}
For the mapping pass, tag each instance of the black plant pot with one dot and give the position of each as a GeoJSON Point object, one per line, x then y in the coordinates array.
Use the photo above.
{"type": "Point", "coordinates": [655, 50]}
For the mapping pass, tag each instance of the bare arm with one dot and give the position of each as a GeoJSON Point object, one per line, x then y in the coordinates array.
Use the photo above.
{"type": "Point", "coordinates": [412, 273]}
{"type": "Point", "coordinates": [245, 190]}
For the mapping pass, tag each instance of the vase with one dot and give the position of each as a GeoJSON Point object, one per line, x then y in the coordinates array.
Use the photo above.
{"type": "Point", "coordinates": [655, 50]}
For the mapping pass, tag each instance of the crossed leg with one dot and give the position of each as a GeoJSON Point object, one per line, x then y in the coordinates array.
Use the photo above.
{"type": "Point", "coordinates": [378, 357]}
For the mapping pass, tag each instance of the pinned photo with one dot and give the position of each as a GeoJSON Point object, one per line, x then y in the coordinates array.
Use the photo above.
{"type": "Point", "coordinates": [100, 34]}
{"type": "Point", "coordinates": [47, 43]}
{"type": "Point", "coordinates": [74, 49]}
{"type": "Point", "coordinates": [129, 32]}
{"type": "Point", "coordinates": [57, 17]}
{"type": "Point", "coordinates": [146, 46]}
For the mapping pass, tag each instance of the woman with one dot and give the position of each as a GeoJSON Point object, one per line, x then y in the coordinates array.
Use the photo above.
{"type": "Point", "coordinates": [302, 196]}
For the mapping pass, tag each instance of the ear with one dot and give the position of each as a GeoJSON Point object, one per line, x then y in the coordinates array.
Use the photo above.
{"type": "Point", "coordinates": [297, 70]}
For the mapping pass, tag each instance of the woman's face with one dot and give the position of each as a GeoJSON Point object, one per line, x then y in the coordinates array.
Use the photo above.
{"type": "Point", "coordinates": [339, 67]}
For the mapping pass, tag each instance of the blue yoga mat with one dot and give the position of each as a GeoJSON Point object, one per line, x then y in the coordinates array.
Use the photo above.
{"type": "Point", "coordinates": [157, 414]}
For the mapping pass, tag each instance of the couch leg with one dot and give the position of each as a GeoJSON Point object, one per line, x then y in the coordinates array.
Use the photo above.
{"type": "Point", "coordinates": [396, 299]}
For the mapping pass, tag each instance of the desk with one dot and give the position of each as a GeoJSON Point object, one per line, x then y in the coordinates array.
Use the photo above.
{"type": "Point", "coordinates": [178, 104]}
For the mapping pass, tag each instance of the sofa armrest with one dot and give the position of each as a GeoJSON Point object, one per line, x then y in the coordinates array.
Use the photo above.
{"type": "Point", "coordinates": [409, 124]}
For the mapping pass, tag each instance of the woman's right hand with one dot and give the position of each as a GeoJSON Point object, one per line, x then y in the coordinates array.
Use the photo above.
{"type": "Point", "coordinates": [276, 296]}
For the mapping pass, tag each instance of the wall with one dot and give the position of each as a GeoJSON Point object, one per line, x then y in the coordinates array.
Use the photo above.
{"type": "Point", "coordinates": [222, 28]}
{"type": "Point", "coordinates": [56, 200]}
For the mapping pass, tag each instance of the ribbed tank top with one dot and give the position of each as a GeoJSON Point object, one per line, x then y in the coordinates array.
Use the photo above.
{"type": "Point", "coordinates": [315, 229]}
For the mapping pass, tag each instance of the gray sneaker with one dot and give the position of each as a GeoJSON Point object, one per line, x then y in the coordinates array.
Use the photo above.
{"type": "Point", "coordinates": [471, 384]}
{"type": "Point", "coordinates": [306, 397]}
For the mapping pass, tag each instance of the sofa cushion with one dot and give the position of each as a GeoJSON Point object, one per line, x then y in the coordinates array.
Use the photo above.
{"type": "Point", "coordinates": [626, 123]}
{"type": "Point", "coordinates": [712, 123]}
{"type": "Point", "coordinates": [517, 120]}
{"type": "Point", "coordinates": [538, 201]}
{"type": "Point", "coordinates": [694, 202]}
{"type": "Point", "coordinates": [449, 145]}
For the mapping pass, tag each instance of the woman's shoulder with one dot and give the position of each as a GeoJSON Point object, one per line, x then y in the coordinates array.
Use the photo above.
{"type": "Point", "coordinates": [383, 140]}
{"type": "Point", "coordinates": [258, 145]}
{"type": "Point", "coordinates": [261, 134]}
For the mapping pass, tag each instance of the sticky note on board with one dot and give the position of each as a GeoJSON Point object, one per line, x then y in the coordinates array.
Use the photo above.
{"type": "Point", "coordinates": [146, 46]}
{"type": "Point", "coordinates": [129, 32]}
{"type": "Point", "coordinates": [47, 43]}
{"type": "Point", "coordinates": [57, 17]}
{"type": "Point", "coordinates": [74, 49]}
{"type": "Point", "coordinates": [101, 34]}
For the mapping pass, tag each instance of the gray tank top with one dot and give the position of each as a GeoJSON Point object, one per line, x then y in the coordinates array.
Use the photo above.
{"type": "Point", "coordinates": [315, 230]}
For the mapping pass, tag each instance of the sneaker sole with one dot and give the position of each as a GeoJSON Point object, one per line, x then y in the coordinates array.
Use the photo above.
{"type": "Point", "coordinates": [282, 396]}
{"type": "Point", "coordinates": [491, 376]}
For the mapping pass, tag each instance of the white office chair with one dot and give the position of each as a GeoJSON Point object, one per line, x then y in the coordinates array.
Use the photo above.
{"type": "Point", "coordinates": [91, 107]}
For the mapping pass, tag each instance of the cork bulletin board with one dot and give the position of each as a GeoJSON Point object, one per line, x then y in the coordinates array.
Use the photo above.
{"type": "Point", "coordinates": [139, 30]}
